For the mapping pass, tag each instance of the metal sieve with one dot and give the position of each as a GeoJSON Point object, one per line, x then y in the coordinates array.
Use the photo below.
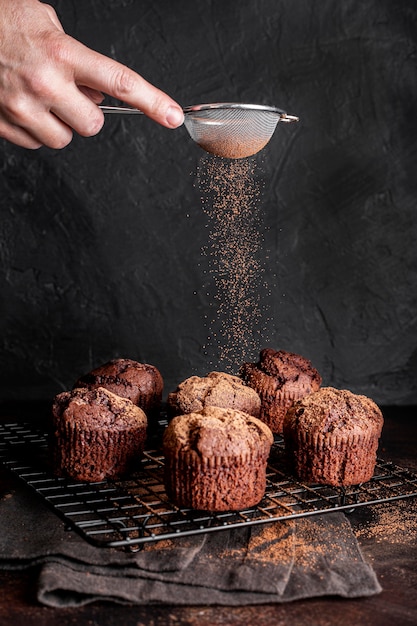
{"type": "Point", "coordinates": [227, 129]}
{"type": "Point", "coordinates": [233, 130]}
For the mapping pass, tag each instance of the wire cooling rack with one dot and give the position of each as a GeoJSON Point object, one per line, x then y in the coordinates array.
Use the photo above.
{"type": "Point", "coordinates": [128, 513]}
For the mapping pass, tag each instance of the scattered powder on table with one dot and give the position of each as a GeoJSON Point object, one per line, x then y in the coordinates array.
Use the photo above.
{"type": "Point", "coordinates": [393, 522]}
{"type": "Point", "coordinates": [268, 543]}
{"type": "Point", "coordinates": [299, 542]}
{"type": "Point", "coordinates": [311, 551]}
{"type": "Point", "coordinates": [273, 543]}
{"type": "Point", "coordinates": [231, 191]}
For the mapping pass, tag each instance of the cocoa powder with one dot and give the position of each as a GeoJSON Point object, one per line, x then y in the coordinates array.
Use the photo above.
{"type": "Point", "coordinates": [296, 542]}
{"type": "Point", "coordinates": [269, 543]}
{"type": "Point", "coordinates": [230, 198]}
{"type": "Point", "coordinates": [393, 522]}
{"type": "Point", "coordinates": [233, 148]}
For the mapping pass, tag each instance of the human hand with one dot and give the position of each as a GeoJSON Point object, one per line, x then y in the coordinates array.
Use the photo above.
{"type": "Point", "coordinates": [50, 84]}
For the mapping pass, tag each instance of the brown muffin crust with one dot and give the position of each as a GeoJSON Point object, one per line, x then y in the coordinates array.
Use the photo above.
{"type": "Point", "coordinates": [331, 436]}
{"type": "Point", "coordinates": [96, 434]}
{"type": "Point", "coordinates": [279, 377]}
{"type": "Point", "coordinates": [217, 432]}
{"type": "Point", "coordinates": [216, 389]}
{"type": "Point", "coordinates": [216, 460]}
{"type": "Point", "coordinates": [139, 382]}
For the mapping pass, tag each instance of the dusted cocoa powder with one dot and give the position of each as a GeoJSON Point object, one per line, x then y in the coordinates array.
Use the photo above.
{"type": "Point", "coordinates": [215, 389]}
{"type": "Point", "coordinates": [95, 434]}
{"type": "Point", "coordinates": [280, 377]}
{"type": "Point", "coordinates": [331, 437]}
{"type": "Point", "coordinates": [392, 522]}
{"type": "Point", "coordinates": [216, 460]}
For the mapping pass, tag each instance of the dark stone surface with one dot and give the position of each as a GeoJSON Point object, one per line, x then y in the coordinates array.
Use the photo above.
{"type": "Point", "coordinates": [101, 243]}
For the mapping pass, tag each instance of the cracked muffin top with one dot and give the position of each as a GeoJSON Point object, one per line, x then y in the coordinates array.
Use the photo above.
{"type": "Point", "coordinates": [216, 389]}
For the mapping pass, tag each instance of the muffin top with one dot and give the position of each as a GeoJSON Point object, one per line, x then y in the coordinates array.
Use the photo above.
{"type": "Point", "coordinates": [216, 389]}
{"type": "Point", "coordinates": [218, 432]}
{"type": "Point", "coordinates": [331, 410]}
{"type": "Point", "coordinates": [287, 369]}
{"type": "Point", "coordinates": [95, 409]}
{"type": "Point", "coordinates": [126, 378]}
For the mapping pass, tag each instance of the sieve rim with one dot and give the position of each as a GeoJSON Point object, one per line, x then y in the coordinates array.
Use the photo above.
{"type": "Point", "coordinates": [239, 105]}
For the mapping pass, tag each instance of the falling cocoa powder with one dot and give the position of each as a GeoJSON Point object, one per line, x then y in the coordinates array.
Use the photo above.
{"type": "Point", "coordinates": [230, 197]}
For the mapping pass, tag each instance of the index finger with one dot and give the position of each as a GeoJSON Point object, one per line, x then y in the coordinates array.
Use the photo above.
{"type": "Point", "coordinates": [94, 70]}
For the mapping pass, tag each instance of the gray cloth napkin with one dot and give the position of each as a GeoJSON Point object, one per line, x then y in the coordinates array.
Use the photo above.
{"type": "Point", "coordinates": [274, 562]}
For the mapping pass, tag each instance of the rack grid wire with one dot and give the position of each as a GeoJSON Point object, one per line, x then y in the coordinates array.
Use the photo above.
{"type": "Point", "coordinates": [128, 513]}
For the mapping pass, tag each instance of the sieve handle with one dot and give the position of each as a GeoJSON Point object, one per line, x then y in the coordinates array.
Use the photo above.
{"type": "Point", "coordinates": [288, 118]}
{"type": "Point", "coordinates": [126, 110]}
{"type": "Point", "coordinates": [284, 117]}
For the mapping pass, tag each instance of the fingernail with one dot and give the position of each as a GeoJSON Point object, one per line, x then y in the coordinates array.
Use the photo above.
{"type": "Point", "coordinates": [174, 117]}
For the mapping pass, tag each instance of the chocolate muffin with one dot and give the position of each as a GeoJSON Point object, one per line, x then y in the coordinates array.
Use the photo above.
{"type": "Point", "coordinates": [279, 377]}
{"type": "Point", "coordinates": [96, 434]}
{"type": "Point", "coordinates": [216, 460]}
{"type": "Point", "coordinates": [139, 382]}
{"type": "Point", "coordinates": [215, 389]}
{"type": "Point", "coordinates": [331, 437]}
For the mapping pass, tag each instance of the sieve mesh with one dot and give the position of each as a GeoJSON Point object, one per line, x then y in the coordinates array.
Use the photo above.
{"type": "Point", "coordinates": [233, 130]}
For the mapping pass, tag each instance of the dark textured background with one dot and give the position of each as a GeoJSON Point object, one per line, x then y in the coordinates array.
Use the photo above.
{"type": "Point", "coordinates": [101, 242]}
